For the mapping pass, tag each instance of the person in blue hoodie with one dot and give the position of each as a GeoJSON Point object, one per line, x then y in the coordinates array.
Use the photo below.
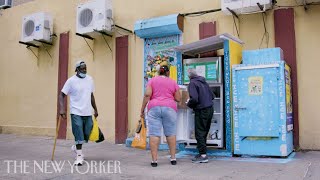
{"type": "Point", "coordinates": [200, 100]}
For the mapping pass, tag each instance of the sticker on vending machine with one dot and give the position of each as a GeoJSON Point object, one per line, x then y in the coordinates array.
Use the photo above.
{"type": "Point", "coordinates": [255, 85]}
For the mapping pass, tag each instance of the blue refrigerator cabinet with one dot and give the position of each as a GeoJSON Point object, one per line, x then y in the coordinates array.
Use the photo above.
{"type": "Point", "coordinates": [262, 109]}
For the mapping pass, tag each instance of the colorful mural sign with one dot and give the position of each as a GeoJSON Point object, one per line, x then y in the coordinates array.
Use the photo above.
{"type": "Point", "coordinates": [158, 52]}
{"type": "Point", "coordinates": [288, 98]}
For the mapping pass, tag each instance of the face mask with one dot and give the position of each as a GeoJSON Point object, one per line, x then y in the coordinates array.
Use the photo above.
{"type": "Point", "coordinates": [82, 75]}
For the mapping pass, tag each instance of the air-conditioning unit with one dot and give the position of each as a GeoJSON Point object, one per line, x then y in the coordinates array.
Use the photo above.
{"type": "Point", "coordinates": [244, 6]}
{"type": "Point", "coordinates": [94, 15]}
{"type": "Point", "coordinates": [37, 26]}
{"type": "Point", "coordinates": [307, 1]}
{"type": "Point", "coordinates": [5, 4]}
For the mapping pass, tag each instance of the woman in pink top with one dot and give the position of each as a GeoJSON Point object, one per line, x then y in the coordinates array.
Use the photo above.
{"type": "Point", "coordinates": [162, 93]}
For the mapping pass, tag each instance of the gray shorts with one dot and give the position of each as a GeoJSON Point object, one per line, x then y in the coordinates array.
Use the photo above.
{"type": "Point", "coordinates": [160, 116]}
{"type": "Point", "coordinates": [81, 128]}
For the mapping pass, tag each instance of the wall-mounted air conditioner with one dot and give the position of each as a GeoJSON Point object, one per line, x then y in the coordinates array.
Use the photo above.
{"type": "Point", "coordinates": [307, 1]}
{"type": "Point", "coordinates": [94, 15]}
{"type": "Point", "coordinates": [5, 4]}
{"type": "Point", "coordinates": [38, 26]}
{"type": "Point", "coordinates": [244, 6]}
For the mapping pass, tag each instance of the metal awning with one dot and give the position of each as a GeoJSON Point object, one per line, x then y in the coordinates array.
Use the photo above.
{"type": "Point", "coordinates": [205, 45]}
{"type": "Point", "coordinates": [159, 26]}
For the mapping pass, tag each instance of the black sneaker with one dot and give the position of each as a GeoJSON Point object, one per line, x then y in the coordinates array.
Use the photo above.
{"type": "Point", "coordinates": [196, 157]}
{"type": "Point", "coordinates": [173, 161]}
{"type": "Point", "coordinates": [200, 159]}
{"type": "Point", "coordinates": [154, 163]}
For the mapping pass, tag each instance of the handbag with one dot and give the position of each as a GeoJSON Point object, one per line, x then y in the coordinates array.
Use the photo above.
{"type": "Point", "coordinates": [139, 126]}
{"type": "Point", "coordinates": [140, 139]}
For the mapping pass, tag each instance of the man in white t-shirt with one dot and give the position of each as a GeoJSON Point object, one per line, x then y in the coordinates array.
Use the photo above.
{"type": "Point", "coordinates": [80, 88]}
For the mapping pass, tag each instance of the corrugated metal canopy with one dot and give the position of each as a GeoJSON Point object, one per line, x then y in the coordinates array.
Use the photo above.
{"type": "Point", "coordinates": [206, 45]}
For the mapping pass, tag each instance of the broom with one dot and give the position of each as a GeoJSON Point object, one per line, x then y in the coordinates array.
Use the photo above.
{"type": "Point", "coordinates": [55, 139]}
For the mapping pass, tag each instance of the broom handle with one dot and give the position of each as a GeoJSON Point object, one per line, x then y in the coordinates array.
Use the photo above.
{"type": "Point", "coordinates": [55, 139]}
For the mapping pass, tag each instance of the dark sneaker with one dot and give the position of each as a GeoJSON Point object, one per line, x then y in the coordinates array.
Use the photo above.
{"type": "Point", "coordinates": [154, 164]}
{"type": "Point", "coordinates": [173, 161]}
{"type": "Point", "coordinates": [196, 157]}
{"type": "Point", "coordinates": [200, 159]}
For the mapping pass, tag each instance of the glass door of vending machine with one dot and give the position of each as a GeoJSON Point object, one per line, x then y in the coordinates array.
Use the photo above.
{"type": "Point", "coordinates": [211, 69]}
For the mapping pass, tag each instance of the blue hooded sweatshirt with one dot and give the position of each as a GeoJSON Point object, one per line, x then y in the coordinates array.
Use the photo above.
{"type": "Point", "coordinates": [200, 93]}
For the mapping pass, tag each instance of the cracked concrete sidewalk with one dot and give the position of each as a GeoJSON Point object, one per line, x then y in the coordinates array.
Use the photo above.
{"type": "Point", "coordinates": [135, 163]}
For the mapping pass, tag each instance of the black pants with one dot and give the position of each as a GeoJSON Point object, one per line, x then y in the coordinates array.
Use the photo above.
{"type": "Point", "coordinates": [202, 126]}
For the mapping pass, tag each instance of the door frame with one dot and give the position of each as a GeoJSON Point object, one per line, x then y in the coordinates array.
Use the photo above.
{"type": "Point", "coordinates": [121, 90]}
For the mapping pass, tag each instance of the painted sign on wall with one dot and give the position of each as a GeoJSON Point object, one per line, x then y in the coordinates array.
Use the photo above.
{"type": "Point", "coordinates": [158, 52]}
{"type": "Point", "coordinates": [288, 98]}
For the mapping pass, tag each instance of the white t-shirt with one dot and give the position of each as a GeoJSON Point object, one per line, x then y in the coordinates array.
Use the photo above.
{"type": "Point", "coordinates": [79, 90]}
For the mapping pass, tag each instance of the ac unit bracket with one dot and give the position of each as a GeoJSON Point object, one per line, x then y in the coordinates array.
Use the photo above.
{"type": "Point", "coordinates": [305, 5]}
{"type": "Point", "coordinates": [233, 13]}
{"type": "Point", "coordinates": [91, 38]}
{"type": "Point", "coordinates": [103, 34]}
{"type": "Point", "coordinates": [43, 44]}
{"type": "Point", "coordinates": [53, 35]}
{"type": "Point", "coordinates": [28, 45]}
{"type": "Point", "coordinates": [260, 6]}
{"type": "Point", "coordinates": [129, 31]}
{"type": "Point", "coordinates": [86, 37]}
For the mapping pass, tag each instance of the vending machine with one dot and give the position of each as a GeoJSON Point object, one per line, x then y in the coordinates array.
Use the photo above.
{"type": "Point", "coordinates": [262, 109]}
{"type": "Point", "coordinates": [211, 69]}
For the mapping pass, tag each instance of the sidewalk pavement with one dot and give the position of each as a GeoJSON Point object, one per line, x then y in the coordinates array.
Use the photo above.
{"type": "Point", "coordinates": [28, 157]}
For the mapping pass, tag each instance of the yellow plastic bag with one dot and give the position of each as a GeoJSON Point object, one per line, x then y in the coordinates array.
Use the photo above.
{"type": "Point", "coordinates": [140, 139]}
{"type": "Point", "coordinates": [94, 135]}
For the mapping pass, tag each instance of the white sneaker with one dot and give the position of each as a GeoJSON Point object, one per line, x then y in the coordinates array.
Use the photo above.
{"type": "Point", "coordinates": [78, 161]}
{"type": "Point", "coordinates": [74, 149]}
